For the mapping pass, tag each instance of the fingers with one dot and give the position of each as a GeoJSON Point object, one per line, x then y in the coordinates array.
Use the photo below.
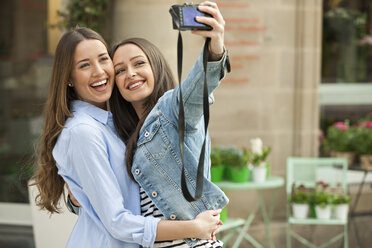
{"type": "Point", "coordinates": [212, 9]}
{"type": "Point", "coordinates": [215, 212]}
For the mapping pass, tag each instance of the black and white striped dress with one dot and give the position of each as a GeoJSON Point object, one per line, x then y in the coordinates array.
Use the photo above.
{"type": "Point", "coordinates": [148, 208]}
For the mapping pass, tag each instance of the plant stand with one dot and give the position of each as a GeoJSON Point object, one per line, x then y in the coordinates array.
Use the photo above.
{"type": "Point", "coordinates": [273, 182]}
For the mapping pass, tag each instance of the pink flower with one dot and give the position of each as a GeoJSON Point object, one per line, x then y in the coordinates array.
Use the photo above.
{"type": "Point", "coordinates": [340, 125]}
{"type": "Point", "coordinates": [367, 40]}
{"type": "Point", "coordinates": [367, 124]}
{"type": "Point", "coordinates": [323, 184]}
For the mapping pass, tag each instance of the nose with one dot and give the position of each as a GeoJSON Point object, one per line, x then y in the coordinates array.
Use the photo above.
{"type": "Point", "coordinates": [131, 72]}
{"type": "Point", "coordinates": [98, 70]}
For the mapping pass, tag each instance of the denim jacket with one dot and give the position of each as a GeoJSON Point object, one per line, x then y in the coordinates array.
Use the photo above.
{"type": "Point", "coordinates": [157, 162]}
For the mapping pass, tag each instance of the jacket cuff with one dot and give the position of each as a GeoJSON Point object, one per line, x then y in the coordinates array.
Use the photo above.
{"type": "Point", "coordinates": [223, 63]}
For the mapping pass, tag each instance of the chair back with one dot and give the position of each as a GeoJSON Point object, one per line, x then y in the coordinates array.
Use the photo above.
{"type": "Point", "coordinates": [308, 171]}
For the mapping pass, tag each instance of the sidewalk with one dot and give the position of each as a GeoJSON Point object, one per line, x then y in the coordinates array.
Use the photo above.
{"type": "Point", "coordinates": [22, 237]}
{"type": "Point", "coordinates": [316, 234]}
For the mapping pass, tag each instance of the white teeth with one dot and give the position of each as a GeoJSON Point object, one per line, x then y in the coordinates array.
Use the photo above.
{"type": "Point", "coordinates": [99, 83]}
{"type": "Point", "coordinates": [135, 85]}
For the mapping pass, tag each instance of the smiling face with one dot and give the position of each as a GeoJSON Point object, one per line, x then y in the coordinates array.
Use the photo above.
{"type": "Point", "coordinates": [92, 73]}
{"type": "Point", "coordinates": [134, 75]}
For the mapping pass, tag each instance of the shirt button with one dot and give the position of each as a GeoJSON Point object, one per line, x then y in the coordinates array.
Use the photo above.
{"type": "Point", "coordinates": [172, 217]}
{"type": "Point", "coordinates": [147, 134]}
{"type": "Point", "coordinates": [137, 171]}
{"type": "Point", "coordinates": [193, 239]}
{"type": "Point", "coordinates": [154, 194]}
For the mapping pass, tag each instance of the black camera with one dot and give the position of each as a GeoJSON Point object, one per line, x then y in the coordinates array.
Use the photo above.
{"type": "Point", "coordinates": [183, 17]}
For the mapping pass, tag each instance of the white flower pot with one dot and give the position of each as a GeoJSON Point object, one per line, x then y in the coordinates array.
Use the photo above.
{"type": "Point", "coordinates": [259, 174]}
{"type": "Point", "coordinates": [323, 213]}
{"type": "Point", "coordinates": [341, 211]}
{"type": "Point", "coordinates": [300, 210]}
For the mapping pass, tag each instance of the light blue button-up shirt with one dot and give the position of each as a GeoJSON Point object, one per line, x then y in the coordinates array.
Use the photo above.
{"type": "Point", "coordinates": [90, 158]}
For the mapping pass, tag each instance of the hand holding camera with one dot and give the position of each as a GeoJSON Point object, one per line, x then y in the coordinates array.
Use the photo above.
{"type": "Point", "coordinates": [205, 20]}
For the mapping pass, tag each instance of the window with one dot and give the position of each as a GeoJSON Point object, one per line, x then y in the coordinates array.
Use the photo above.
{"type": "Point", "coordinates": [347, 41]}
{"type": "Point", "coordinates": [24, 78]}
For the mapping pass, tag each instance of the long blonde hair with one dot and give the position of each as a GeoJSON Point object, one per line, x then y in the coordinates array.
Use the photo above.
{"type": "Point", "coordinates": [56, 112]}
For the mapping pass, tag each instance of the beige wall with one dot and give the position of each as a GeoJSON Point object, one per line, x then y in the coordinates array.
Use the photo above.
{"type": "Point", "coordinates": [54, 34]}
{"type": "Point", "coordinates": [274, 46]}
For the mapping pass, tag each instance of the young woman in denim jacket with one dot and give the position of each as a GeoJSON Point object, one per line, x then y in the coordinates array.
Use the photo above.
{"type": "Point", "coordinates": [145, 109]}
{"type": "Point", "coordinates": [80, 146]}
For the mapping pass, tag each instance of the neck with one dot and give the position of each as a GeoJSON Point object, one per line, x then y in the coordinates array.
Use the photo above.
{"type": "Point", "coordinates": [138, 107]}
{"type": "Point", "coordinates": [102, 105]}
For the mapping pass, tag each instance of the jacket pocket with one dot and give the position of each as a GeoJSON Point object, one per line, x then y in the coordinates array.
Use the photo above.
{"type": "Point", "coordinates": [154, 139]}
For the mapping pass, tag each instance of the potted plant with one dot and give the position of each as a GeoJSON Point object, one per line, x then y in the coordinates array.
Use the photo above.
{"type": "Point", "coordinates": [223, 214]}
{"type": "Point", "coordinates": [236, 164]}
{"type": "Point", "coordinates": [299, 201]}
{"type": "Point", "coordinates": [363, 144]}
{"type": "Point", "coordinates": [322, 200]}
{"type": "Point", "coordinates": [217, 168]}
{"type": "Point", "coordinates": [340, 141]}
{"type": "Point", "coordinates": [257, 158]}
{"type": "Point", "coordinates": [341, 204]}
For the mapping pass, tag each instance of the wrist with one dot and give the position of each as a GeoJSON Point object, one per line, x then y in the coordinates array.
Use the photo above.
{"type": "Point", "coordinates": [195, 228]}
{"type": "Point", "coordinates": [215, 56]}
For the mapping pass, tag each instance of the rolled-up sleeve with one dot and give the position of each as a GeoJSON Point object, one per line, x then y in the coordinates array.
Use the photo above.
{"type": "Point", "coordinates": [88, 172]}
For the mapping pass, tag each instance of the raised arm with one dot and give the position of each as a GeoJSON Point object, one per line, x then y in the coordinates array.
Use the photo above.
{"type": "Point", "coordinates": [192, 86]}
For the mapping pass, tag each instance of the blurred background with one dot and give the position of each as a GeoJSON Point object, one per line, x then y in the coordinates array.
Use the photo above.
{"type": "Point", "coordinates": [298, 67]}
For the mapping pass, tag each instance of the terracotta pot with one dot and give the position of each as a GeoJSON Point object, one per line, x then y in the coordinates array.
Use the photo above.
{"type": "Point", "coordinates": [350, 156]}
{"type": "Point", "coordinates": [366, 162]}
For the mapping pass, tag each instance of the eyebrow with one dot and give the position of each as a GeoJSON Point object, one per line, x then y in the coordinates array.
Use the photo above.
{"type": "Point", "coordinates": [120, 63]}
{"type": "Point", "coordinates": [83, 60]}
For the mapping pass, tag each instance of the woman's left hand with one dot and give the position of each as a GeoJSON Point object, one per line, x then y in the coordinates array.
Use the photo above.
{"type": "Point", "coordinates": [218, 28]}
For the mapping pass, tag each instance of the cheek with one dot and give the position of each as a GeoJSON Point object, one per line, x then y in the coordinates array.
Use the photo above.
{"type": "Point", "coordinates": [119, 81]}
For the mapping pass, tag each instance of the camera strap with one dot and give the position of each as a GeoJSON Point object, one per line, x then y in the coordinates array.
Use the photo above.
{"type": "Point", "coordinates": [181, 123]}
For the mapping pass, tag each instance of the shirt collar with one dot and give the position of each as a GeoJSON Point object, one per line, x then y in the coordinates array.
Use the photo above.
{"type": "Point", "coordinates": [91, 110]}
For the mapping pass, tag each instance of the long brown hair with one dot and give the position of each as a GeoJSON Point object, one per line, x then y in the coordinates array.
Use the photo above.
{"type": "Point", "coordinates": [56, 112]}
{"type": "Point", "coordinates": [126, 120]}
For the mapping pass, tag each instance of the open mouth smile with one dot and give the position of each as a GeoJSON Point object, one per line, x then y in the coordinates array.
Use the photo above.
{"type": "Point", "coordinates": [103, 82]}
{"type": "Point", "coordinates": [135, 84]}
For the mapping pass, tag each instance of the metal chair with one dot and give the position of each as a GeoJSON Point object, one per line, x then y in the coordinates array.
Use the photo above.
{"type": "Point", "coordinates": [308, 171]}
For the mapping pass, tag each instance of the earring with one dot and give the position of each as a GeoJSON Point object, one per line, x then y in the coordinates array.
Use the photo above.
{"type": "Point", "coordinates": [70, 84]}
